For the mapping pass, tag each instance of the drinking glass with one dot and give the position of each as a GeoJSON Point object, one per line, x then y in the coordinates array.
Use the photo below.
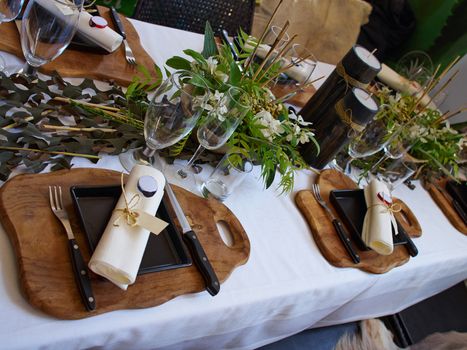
{"type": "Point", "coordinates": [171, 115]}
{"type": "Point", "coordinates": [395, 172]}
{"type": "Point", "coordinates": [47, 28]}
{"type": "Point", "coordinates": [416, 66]}
{"type": "Point", "coordinates": [219, 124]}
{"type": "Point", "coordinates": [9, 9]}
{"type": "Point", "coordinates": [301, 64]}
{"type": "Point", "coordinates": [227, 175]}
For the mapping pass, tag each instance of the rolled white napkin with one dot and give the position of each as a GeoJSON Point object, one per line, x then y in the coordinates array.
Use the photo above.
{"type": "Point", "coordinates": [377, 226]}
{"type": "Point", "coordinates": [120, 250]}
{"type": "Point", "coordinates": [106, 37]}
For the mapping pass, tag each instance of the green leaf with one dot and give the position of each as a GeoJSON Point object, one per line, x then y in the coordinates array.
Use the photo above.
{"type": "Point", "coordinates": [235, 74]}
{"type": "Point", "coordinates": [210, 47]}
{"type": "Point", "coordinates": [196, 56]}
{"type": "Point", "coordinates": [178, 63]}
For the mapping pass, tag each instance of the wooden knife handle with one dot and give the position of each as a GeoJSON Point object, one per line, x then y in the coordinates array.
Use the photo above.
{"type": "Point", "coordinates": [118, 22]}
{"type": "Point", "coordinates": [202, 262]}
{"type": "Point", "coordinates": [81, 275]}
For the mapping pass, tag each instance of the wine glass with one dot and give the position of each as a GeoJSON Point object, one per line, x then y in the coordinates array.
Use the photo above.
{"type": "Point", "coordinates": [301, 64]}
{"type": "Point", "coordinates": [9, 10]}
{"type": "Point", "coordinates": [394, 172]}
{"type": "Point", "coordinates": [47, 28]}
{"type": "Point", "coordinates": [416, 66]}
{"type": "Point", "coordinates": [171, 115]}
{"type": "Point", "coordinates": [219, 124]}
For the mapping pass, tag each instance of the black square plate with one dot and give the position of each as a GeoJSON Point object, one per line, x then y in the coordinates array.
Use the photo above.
{"type": "Point", "coordinates": [351, 207]}
{"type": "Point", "coordinates": [95, 205]}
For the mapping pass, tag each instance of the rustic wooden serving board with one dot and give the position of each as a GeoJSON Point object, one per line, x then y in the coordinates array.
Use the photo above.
{"type": "Point", "coordinates": [327, 239]}
{"type": "Point", "coordinates": [73, 63]}
{"type": "Point", "coordinates": [440, 198]}
{"type": "Point", "coordinates": [45, 270]}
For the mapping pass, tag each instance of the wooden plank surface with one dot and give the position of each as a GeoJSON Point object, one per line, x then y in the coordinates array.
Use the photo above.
{"type": "Point", "coordinates": [73, 63]}
{"type": "Point", "coordinates": [327, 239]}
{"type": "Point", "coordinates": [45, 270]}
{"type": "Point", "coordinates": [439, 194]}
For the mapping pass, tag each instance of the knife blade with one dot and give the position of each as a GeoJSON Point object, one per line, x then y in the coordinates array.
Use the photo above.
{"type": "Point", "coordinates": [191, 240]}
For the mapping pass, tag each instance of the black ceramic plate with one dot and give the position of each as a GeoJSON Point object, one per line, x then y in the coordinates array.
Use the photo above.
{"type": "Point", "coordinates": [95, 205]}
{"type": "Point", "coordinates": [351, 207]}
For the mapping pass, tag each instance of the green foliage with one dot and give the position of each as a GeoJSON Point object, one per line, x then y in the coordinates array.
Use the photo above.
{"type": "Point", "coordinates": [434, 144]}
{"type": "Point", "coordinates": [267, 134]}
{"type": "Point", "coordinates": [210, 47]}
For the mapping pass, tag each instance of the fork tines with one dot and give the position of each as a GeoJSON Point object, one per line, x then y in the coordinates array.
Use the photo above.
{"type": "Point", "coordinates": [316, 192]}
{"type": "Point", "coordinates": [55, 194]}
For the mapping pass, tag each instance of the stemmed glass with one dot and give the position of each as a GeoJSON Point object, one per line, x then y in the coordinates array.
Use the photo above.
{"type": "Point", "coordinates": [47, 28]}
{"type": "Point", "coordinates": [9, 10]}
{"type": "Point", "coordinates": [171, 115]}
{"type": "Point", "coordinates": [301, 63]}
{"type": "Point", "coordinates": [219, 124]}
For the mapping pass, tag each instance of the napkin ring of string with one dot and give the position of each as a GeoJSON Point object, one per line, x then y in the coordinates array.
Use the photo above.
{"type": "Point", "coordinates": [128, 213]}
{"type": "Point", "coordinates": [390, 208]}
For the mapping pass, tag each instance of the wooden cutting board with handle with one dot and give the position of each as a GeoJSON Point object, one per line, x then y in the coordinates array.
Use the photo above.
{"type": "Point", "coordinates": [45, 269]}
{"type": "Point", "coordinates": [83, 64]}
{"type": "Point", "coordinates": [327, 239]}
{"type": "Point", "coordinates": [438, 191]}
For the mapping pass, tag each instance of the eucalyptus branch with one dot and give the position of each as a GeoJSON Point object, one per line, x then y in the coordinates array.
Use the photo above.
{"type": "Point", "coordinates": [84, 103]}
{"type": "Point", "coordinates": [7, 148]}
{"type": "Point", "coordinates": [73, 128]}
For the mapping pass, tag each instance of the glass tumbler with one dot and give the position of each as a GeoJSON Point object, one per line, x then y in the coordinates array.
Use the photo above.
{"type": "Point", "coordinates": [227, 175]}
{"type": "Point", "coordinates": [395, 172]}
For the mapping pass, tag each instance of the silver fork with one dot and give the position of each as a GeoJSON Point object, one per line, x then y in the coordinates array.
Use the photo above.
{"type": "Point", "coordinates": [129, 56]}
{"type": "Point", "coordinates": [337, 225]}
{"type": "Point", "coordinates": [79, 267]}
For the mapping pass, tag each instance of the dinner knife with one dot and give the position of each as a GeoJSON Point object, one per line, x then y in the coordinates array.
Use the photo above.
{"type": "Point", "coordinates": [225, 37]}
{"type": "Point", "coordinates": [457, 206]}
{"type": "Point", "coordinates": [118, 22]}
{"type": "Point", "coordinates": [409, 245]}
{"type": "Point", "coordinates": [191, 240]}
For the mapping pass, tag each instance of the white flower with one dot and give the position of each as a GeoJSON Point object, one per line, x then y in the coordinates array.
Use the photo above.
{"type": "Point", "coordinates": [304, 138]}
{"type": "Point", "coordinates": [298, 119]}
{"type": "Point", "coordinates": [272, 126]}
{"type": "Point", "coordinates": [212, 65]}
{"type": "Point", "coordinates": [221, 76]}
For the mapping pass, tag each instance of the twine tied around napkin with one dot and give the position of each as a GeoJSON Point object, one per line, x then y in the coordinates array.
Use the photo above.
{"type": "Point", "coordinates": [390, 207]}
{"type": "Point", "coordinates": [379, 218]}
{"type": "Point", "coordinates": [133, 217]}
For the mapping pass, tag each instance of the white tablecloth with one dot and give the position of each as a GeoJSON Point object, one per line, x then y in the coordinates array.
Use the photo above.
{"type": "Point", "coordinates": [285, 287]}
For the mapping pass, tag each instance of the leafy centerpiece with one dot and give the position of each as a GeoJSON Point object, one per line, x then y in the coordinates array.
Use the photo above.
{"type": "Point", "coordinates": [269, 133]}
{"type": "Point", "coordinates": [49, 121]}
{"type": "Point", "coordinates": [429, 140]}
